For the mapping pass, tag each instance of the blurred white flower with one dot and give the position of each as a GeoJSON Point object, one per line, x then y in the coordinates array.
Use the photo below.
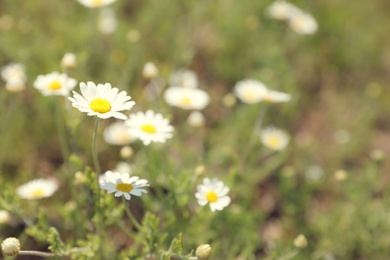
{"type": "Point", "coordinates": [183, 78]}
{"type": "Point", "coordinates": [15, 85]}
{"type": "Point", "coordinates": [124, 167]}
{"type": "Point", "coordinates": [55, 84]}
{"type": "Point", "coordinates": [13, 71]}
{"type": "Point", "coordinates": [107, 22]}
{"type": "Point", "coordinates": [37, 189]}
{"type": "Point", "coordinates": [187, 98]}
{"type": "Point", "coordinates": [118, 134]}
{"type": "Point", "coordinates": [150, 70]}
{"type": "Point", "coordinates": [196, 119]}
{"type": "Point", "coordinates": [282, 10]}
{"type": "Point", "coordinates": [149, 127]}
{"type": "Point", "coordinates": [126, 152]}
{"type": "Point", "coordinates": [69, 61]}
{"type": "Point", "coordinates": [314, 173]}
{"type": "Point", "coordinates": [341, 136]}
{"type": "Point", "coordinates": [10, 246]}
{"type": "Point", "coordinates": [303, 23]}
{"type": "Point", "coordinates": [4, 217]}
{"type": "Point", "coordinates": [274, 138]}
{"type": "Point", "coordinates": [122, 184]}
{"type": "Point", "coordinates": [213, 192]}
{"type": "Point", "coordinates": [96, 3]}
{"type": "Point", "coordinates": [102, 101]}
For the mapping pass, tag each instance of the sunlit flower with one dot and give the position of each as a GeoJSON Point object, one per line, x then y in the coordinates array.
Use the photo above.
{"type": "Point", "coordinates": [213, 192]}
{"type": "Point", "coordinates": [196, 119]}
{"type": "Point", "coordinates": [55, 84]}
{"type": "Point", "coordinates": [118, 134]}
{"type": "Point", "coordinates": [149, 127]}
{"type": "Point", "coordinates": [183, 78]}
{"type": "Point", "coordinates": [250, 91]}
{"type": "Point", "coordinates": [10, 246]}
{"type": "Point", "coordinates": [150, 70]}
{"type": "Point", "coordinates": [187, 98]}
{"type": "Point", "coordinates": [122, 184]}
{"type": "Point", "coordinates": [69, 61]}
{"type": "Point", "coordinates": [102, 100]}
{"type": "Point", "coordinates": [303, 23]}
{"type": "Point", "coordinates": [274, 139]}
{"type": "Point", "coordinates": [96, 3]}
{"type": "Point", "coordinates": [37, 189]}
{"type": "Point", "coordinates": [282, 10]}
{"type": "Point", "coordinates": [107, 22]}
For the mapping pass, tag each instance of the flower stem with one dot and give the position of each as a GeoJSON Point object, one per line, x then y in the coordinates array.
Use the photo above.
{"type": "Point", "coordinates": [36, 253]}
{"type": "Point", "coordinates": [131, 216]}
{"type": "Point", "coordinates": [96, 161]}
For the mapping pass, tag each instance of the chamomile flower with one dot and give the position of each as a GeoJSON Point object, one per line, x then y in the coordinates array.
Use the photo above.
{"type": "Point", "coordinates": [282, 10]}
{"type": "Point", "coordinates": [183, 78]}
{"type": "Point", "coordinates": [37, 189]}
{"type": "Point", "coordinates": [118, 134]}
{"type": "Point", "coordinates": [213, 192]}
{"type": "Point", "coordinates": [303, 23]}
{"type": "Point", "coordinates": [10, 246]}
{"type": "Point", "coordinates": [250, 91]}
{"type": "Point", "coordinates": [149, 127]}
{"type": "Point", "coordinates": [274, 138]}
{"type": "Point", "coordinates": [272, 96]}
{"type": "Point", "coordinates": [15, 84]}
{"type": "Point", "coordinates": [96, 3]}
{"type": "Point", "coordinates": [187, 98]}
{"type": "Point", "coordinates": [150, 70]}
{"type": "Point", "coordinates": [102, 101]}
{"type": "Point", "coordinates": [55, 84]}
{"type": "Point", "coordinates": [13, 71]}
{"type": "Point", "coordinates": [122, 184]}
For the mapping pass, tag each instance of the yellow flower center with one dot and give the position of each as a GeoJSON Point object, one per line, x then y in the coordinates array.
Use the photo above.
{"type": "Point", "coordinates": [185, 101]}
{"type": "Point", "coordinates": [97, 2]}
{"type": "Point", "coordinates": [211, 196]}
{"type": "Point", "coordinates": [124, 187]}
{"type": "Point", "coordinates": [273, 141]}
{"type": "Point", "coordinates": [149, 129]}
{"type": "Point", "coordinates": [100, 106]}
{"type": "Point", "coordinates": [55, 85]}
{"type": "Point", "coordinates": [37, 193]}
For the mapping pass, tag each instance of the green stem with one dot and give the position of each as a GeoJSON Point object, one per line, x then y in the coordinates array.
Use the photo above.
{"type": "Point", "coordinates": [61, 128]}
{"type": "Point", "coordinates": [131, 216]}
{"type": "Point", "coordinates": [95, 158]}
{"type": "Point", "coordinates": [36, 253]}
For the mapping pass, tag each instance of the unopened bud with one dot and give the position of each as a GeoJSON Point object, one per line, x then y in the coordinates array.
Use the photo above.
{"type": "Point", "coordinates": [150, 70]}
{"type": "Point", "coordinates": [340, 175]}
{"type": "Point", "coordinates": [69, 61]}
{"type": "Point", "coordinates": [4, 216]}
{"type": "Point", "coordinates": [200, 170]}
{"type": "Point", "coordinates": [377, 155]}
{"type": "Point", "coordinates": [229, 100]}
{"type": "Point", "coordinates": [126, 152]}
{"type": "Point", "coordinates": [203, 251]}
{"type": "Point", "coordinates": [10, 246]}
{"type": "Point", "coordinates": [196, 119]}
{"type": "Point", "coordinates": [79, 178]}
{"type": "Point", "coordinates": [300, 241]}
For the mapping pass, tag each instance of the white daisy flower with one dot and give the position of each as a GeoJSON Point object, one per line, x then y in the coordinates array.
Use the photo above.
{"type": "Point", "coordinates": [272, 96]}
{"type": "Point", "coordinates": [274, 139]}
{"type": "Point", "coordinates": [37, 189]}
{"type": "Point", "coordinates": [149, 127]}
{"type": "Point", "coordinates": [250, 91]}
{"type": "Point", "coordinates": [96, 3]}
{"type": "Point", "coordinates": [107, 22]}
{"type": "Point", "coordinates": [10, 246]}
{"type": "Point", "coordinates": [69, 61]}
{"type": "Point", "coordinates": [183, 78]}
{"type": "Point", "coordinates": [282, 10]}
{"type": "Point", "coordinates": [102, 100]}
{"type": "Point", "coordinates": [150, 70]}
{"type": "Point", "coordinates": [187, 98]}
{"type": "Point", "coordinates": [118, 134]}
{"type": "Point", "coordinates": [15, 84]}
{"type": "Point", "coordinates": [213, 192]}
{"type": "Point", "coordinates": [14, 71]}
{"type": "Point", "coordinates": [122, 184]}
{"type": "Point", "coordinates": [55, 84]}
{"type": "Point", "coordinates": [303, 23]}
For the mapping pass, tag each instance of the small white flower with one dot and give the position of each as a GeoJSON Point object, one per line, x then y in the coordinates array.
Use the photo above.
{"type": "Point", "coordinates": [15, 84]}
{"type": "Point", "coordinates": [122, 184]}
{"type": "Point", "coordinates": [55, 84]}
{"type": "Point", "coordinates": [150, 70]}
{"type": "Point", "coordinates": [69, 61]}
{"type": "Point", "coordinates": [149, 127]}
{"type": "Point", "coordinates": [187, 98]}
{"type": "Point", "coordinates": [10, 246]}
{"type": "Point", "coordinates": [183, 78]}
{"type": "Point", "coordinates": [274, 139]}
{"type": "Point", "coordinates": [4, 216]}
{"type": "Point", "coordinates": [13, 71]}
{"type": "Point", "coordinates": [314, 173]}
{"type": "Point", "coordinates": [250, 91]}
{"type": "Point", "coordinates": [282, 10]}
{"type": "Point", "coordinates": [107, 23]}
{"type": "Point", "coordinates": [196, 119]}
{"type": "Point", "coordinates": [124, 167]}
{"type": "Point", "coordinates": [272, 96]}
{"type": "Point", "coordinates": [102, 100]}
{"type": "Point", "coordinates": [213, 192]}
{"type": "Point", "coordinates": [96, 3]}
{"type": "Point", "coordinates": [303, 23]}
{"type": "Point", "coordinates": [37, 189]}
{"type": "Point", "coordinates": [118, 134]}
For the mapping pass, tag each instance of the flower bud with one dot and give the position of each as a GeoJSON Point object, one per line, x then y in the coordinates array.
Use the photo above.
{"type": "Point", "coordinates": [10, 246]}
{"type": "Point", "coordinates": [340, 175]}
{"type": "Point", "coordinates": [126, 152]}
{"type": "Point", "coordinates": [79, 178]}
{"type": "Point", "coordinates": [229, 100]}
{"type": "Point", "coordinates": [4, 216]}
{"type": "Point", "coordinates": [377, 155]}
{"type": "Point", "coordinates": [196, 119]}
{"type": "Point", "coordinates": [203, 251]}
{"type": "Point", "coordinates": [150, 70]}
{"type": "Point", "coordinates": [69, 61]}
{"type": "Point", "coordinates": [200, 170]}
{"type": "Point", "coordinates": [300, 241]}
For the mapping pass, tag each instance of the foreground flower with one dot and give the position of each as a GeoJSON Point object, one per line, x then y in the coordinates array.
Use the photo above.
{"type": "Point", "coordinates": [118, 134]}
{"type": "Point", "coordinates": [213, 192]}
{"type": "Point", "coordinates": [183, 78]}
{"type": "Point", "coordinates": [187, 98]}
{"type": "Point", "coordinates": [37, 189]}
{"type": "Point", "coordinates": [149, 127]}
{"type": "Point", "coordinates": [102, 101]}
{"type": "Point", "coordinates": [55, 84]}
{"type": "Point", "coordinates": [122, 184]}
{"type": "Point", "coordinates": [274, 139]}
{"type": "Point", "coordinates": [96, 3]}
{"type": "Point", "coordinates": [282, 10]}
{"type": "Point", "coordinates": [10, 246]}
{"type": "Point", "coordinates": [303, 23]}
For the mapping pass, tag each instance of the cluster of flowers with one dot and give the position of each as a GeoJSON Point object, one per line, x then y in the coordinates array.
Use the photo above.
{"type": "Point", "coordinates": [299, 21]}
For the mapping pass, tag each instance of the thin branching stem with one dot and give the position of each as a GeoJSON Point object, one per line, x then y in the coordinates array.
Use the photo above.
{"type": "Point", "coordinates": [131, 216]}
